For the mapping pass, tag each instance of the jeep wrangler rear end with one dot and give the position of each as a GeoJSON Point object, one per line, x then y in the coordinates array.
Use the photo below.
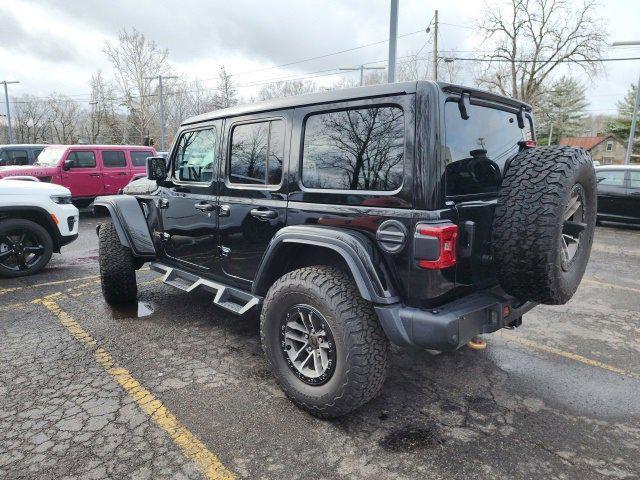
{"type": "Point", "coordinates": [417, 213]}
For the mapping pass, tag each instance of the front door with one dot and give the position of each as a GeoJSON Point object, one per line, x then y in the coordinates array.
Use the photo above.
{"type": "Point", "coordinates": [83, 176]}
{"type": "Point", "coordinates": [189, 217]}
{"type": "Point", "coordinates": [253, 196]}
{"type": "Point", "coordinates": [632, 202]}
{"type": "Point", "coordinates": [611, 192]}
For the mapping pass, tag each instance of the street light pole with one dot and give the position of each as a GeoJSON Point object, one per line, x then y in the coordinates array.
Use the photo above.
{"type": "Point", "coordinates": [6, 99]}
{"type": "Point", "coordinates": [362, 68]}
{"type": "Point", "coordinates": [162, 122]}
{"type": "Point", "coordinates": [435, 47]}
{"type": "Point", "coordinates": [93, 104]}
{"type": "Point", "coordinates": [393, 41]}
{"type": "Point", "coordinates": [636, 107]}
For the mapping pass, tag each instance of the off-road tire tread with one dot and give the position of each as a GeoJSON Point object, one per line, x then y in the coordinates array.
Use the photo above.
{"type": "Point", "coordinates": [525, 230]}
{"type": "Point", "coordinates": [367, 346]}
{"type": "Point", "coordinates": [117, 267]}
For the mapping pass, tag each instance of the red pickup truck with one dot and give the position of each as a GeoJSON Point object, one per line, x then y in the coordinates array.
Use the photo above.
{"type": "Point", "coordinates": [87, 170]}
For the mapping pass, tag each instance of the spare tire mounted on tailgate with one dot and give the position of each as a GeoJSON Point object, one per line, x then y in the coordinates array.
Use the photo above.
{"type": "Point", "coordinates": [544, 222]}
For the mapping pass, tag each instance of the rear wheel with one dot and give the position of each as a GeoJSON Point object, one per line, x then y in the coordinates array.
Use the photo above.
{"type": "Point", "coordinates": [117, 267]}
{"type": "Point", "coordinates": [25, 248]}
{"type": "Point", "coordinates": [324, 343]}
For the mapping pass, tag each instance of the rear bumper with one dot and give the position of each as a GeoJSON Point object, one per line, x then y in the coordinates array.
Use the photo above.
{"type": "Point", "coordinates": [450, 326]}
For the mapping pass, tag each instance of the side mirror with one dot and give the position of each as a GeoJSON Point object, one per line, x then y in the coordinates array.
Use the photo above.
{"type": "Point", "coordinates": [156, 169]}
{"type": "Point", "coordinates": [68, 164]}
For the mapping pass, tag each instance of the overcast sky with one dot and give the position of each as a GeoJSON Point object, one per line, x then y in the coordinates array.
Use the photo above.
{"type": "Point", "coordinates": [55, 45]}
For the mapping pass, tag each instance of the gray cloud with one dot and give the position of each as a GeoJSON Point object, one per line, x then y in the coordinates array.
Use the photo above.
{"type": "Point", "coordinates": [45, 47]}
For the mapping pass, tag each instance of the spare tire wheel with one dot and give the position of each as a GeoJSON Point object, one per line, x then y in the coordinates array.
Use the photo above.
{"type": "Point", "coordinates": [544, 222]}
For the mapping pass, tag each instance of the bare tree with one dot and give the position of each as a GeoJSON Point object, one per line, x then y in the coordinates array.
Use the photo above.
{"type": "Point", "coordinates": [65, 119]}
{"type": "Point", "coordinates": [135, 59]}
{"type": "Point", "coordinates": [226, 95]}
{"type": "Point", "coordinates": [532, 37]}
{"type": "Point", "coordinates": [287, 89]}
{"type": "Point", "coordinates": [103, 123]}
{"type": "Point", "coordinates": [31, 117]}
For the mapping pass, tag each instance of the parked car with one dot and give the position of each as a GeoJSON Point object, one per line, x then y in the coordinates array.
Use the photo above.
{"type": "Point", "coordinates": [419, 213]}
{"type": "Point", "coordinates": [86, 170]}
{"type": "Point", "coordinates": [619, 193]}
{"type": "Point", "coordinates": [19, 154]}
{"type": "Point", "coordinates": [36, 219]}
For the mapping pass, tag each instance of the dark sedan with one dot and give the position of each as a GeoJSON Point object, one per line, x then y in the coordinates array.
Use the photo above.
{"type": "Point", "coordinates": [619, 193]}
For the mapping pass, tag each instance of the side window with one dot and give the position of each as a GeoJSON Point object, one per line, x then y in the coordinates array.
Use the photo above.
{"type": "Point", "coordinates": [195, 159]}
{"type": "Point", "coordinates": [139, 158]}
{"type": "Point", "coordinates": [17, 157]}
{"type": "Point", "coordinates": [357, 149]}
{"type": "Point", "coordinates": [613, 178]}
{"type": "Point", "coordinates": [477, 149]}
{"type": "Point", "coordinates": [113, 158]}
{"type": "Point", "coordinates": [82, 159]}
{"type": "Point", "coordinates": [4, 157]}
{"type": "Point", "coordinates": [634, 179]}
{"type": "Point", "coordinates": [37, 152]}
{"type": "Point", "coordinates": [257, 151]}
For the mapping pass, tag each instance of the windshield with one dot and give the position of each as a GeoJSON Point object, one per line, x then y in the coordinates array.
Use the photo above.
{"type": "Point", "coordinates": [50, 157]}
{"type": "Point", "coordinates": [478, 148]}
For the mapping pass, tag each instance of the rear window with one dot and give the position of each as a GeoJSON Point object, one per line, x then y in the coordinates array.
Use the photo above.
{"type": "Point", "coordinates": [477, 149]}
{"type": "Point", "coordinates": [612, 178]}
{"type": "Point", "coordinates": [139, 158]}
{"type": "Point", "coordinates": [113, 158]}
{"type": "Point", "coordinates": [359, 149]}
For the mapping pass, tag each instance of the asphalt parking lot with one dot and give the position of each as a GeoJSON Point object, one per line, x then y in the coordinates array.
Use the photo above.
{"type": "Point", "coordinates": [175, 388]}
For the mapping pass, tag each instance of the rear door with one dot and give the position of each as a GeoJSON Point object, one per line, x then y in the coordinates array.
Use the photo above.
{"type": "Point", "coordinates": [115, 170]}
{"type": "Point", "coordinates": [83, 175]}
{"type": "Point", "coordinates": [253, 193]}
{"type": "Point", "coordinates": [138, 160]}
{"type": "Point", "coordinates": [611, 192]}
{"type": "Point", "coordinates": [189, 217]}
{"type": "Point", "coordinates": [632, 201]}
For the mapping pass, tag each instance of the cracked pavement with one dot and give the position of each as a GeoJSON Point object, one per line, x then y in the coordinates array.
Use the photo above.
{"type": "Point", "coordinates": [512, 410]}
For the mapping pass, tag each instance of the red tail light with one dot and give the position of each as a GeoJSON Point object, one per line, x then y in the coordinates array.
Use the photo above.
{"type": "Point", "coordinates": [447, 237]}
{"type": "Point", "coordinates": [530, 143]}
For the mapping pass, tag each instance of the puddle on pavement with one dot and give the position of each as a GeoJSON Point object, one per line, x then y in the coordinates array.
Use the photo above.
{"type": "Point", "coordinates": [410, 439]}
{"type": "Point", "coordinates": [132, 310]}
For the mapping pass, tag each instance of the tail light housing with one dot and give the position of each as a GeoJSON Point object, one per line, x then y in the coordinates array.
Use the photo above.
{"type": "Point", "coordinates": [435, 245]}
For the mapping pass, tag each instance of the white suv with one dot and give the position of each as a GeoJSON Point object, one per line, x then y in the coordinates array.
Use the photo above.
{"type": "Point", "coordinates": [36, 219]}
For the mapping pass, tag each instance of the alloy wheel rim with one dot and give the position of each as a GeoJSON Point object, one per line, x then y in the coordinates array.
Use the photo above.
{"type": "Point", "coordinates": [20, 250]}
{"type": "Point", "coordinates": [572, 227]}
{"type": "Point", "coordinates": [307, 344]}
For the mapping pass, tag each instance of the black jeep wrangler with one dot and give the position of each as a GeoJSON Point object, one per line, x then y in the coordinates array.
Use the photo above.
{"type": "Point", "coordinates": [417, 213]}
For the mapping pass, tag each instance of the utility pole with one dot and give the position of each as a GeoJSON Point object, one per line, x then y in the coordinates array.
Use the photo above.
{"type": "Point", "coordinates": [362, 68]}
{"type": "Point", "coordinates": [636, 107]}
{"type": "Point", "coordinates": [6, 99]}
{"type": "Point", "coordinates": [162, 123]}
{"type": "Point", "coordinates": [393, 41]}
{"type": "Point", "coordinates": [93, 104]}
{"type": "Point", "coordinates": [435, 46]}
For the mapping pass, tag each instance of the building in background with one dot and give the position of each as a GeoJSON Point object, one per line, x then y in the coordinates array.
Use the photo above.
{"type": "Point", "coordinates": [606, 149]}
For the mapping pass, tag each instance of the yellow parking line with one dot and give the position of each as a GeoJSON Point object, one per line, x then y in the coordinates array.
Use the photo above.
{"type": "Point", "coordinates": [190, 445]}
{"type": "Point", "coordinates": [47, 284]}
{"type": "Point", "coordinates": [611, 285]}
{"type": "Point", "coordinates": [570, 355]}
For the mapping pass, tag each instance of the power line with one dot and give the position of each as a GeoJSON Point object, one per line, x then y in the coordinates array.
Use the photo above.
{"type": "Point", "coordinates": [503, 60]}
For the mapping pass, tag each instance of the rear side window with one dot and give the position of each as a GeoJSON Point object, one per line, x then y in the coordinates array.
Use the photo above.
{"type": "Point", "coordinates": [139, 158]}
{"type": "Point", "coordinates": [478, 148]}
{"type": "Point", "coordinates": [612, 178]}
{"type": "Point", "coordinates": [196, 156]}
{"type": "Point", "coordinates": [358, 149]}
{"type": "Point", "coordinates": [634, 179]}
{"type": "Point", "coordinates": [14, 157]}
{"type": "Point", "coordinates": [113, 158]}
{"type": "Point", "coordinates": [82, 159]}
{"type": "Point", "coordinates": [256, 153]}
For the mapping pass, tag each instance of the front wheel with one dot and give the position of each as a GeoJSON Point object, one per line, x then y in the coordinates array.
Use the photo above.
{"type": "Point", "coordinates": [323, 342]}
{"type": "Point", "coordinates": [117, 267]}
{"type": "Point", "coordinates": [25, 248]}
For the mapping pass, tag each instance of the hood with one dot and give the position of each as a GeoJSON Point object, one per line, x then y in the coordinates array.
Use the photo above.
{"type": "Point", "coordinates": [30, 170]}
{"type": "Point", "coordinates": [25, 187]}
{"type": "Point", "coordinates": [141, 186]}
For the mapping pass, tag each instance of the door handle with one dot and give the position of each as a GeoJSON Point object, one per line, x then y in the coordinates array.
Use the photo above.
{"type": "Point", "coordinates": [205, 207]}
{"type": "Point", "coordinates": [264, 214]}
{"type": "Point", "coordinates": [224, 210]}
{"type": "Point", "coordinates": [94, 174]}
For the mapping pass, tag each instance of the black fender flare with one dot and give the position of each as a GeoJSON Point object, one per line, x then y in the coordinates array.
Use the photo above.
{"type": "Point", "coordinates": [355, 248]}
{"type": "Point", "coordinates": [129, 222]}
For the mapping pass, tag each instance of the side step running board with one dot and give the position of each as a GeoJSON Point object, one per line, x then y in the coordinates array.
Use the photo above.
{"type": "Point", "coordinates": [229, 298]}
